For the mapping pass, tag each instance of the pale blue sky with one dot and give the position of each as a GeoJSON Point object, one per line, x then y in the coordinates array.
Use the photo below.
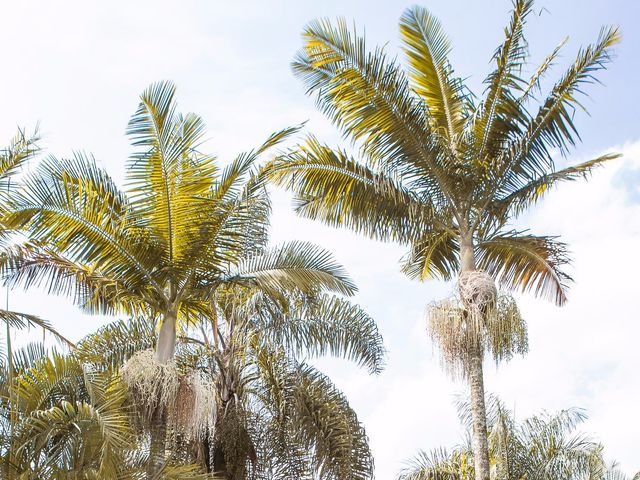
{"type": "Point", "coordinates": [79, 66]}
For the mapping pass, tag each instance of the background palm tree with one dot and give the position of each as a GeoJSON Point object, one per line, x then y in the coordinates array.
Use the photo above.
{"type": "Point", "coordinates": [446, 173]}
{"type": "Point", "coordinates": [183, 228]}
{"type": "Point", "coordinates": [13, 158]}
{"type": "Point", "coordinates": [62, 418]}
{"type": "Point", "coordinates": [543, 447]}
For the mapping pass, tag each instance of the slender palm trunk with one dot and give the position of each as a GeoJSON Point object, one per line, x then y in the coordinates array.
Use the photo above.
{"type": "Point", "coordinates": [476, 380]}
{"type": "Point", "coordinates": [157, 447]}
{"type": "Point", "coordinates": [166, 345]}
{"type": "Point", "coordinates": [165, 350]}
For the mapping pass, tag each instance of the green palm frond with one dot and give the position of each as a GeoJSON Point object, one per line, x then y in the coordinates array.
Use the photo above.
{"type": "Point", "coordinates": [314, 416]}
{"type": "Point", "coordinates": [29, 265]}
{"type": "Point", "coordinates": [526, 195]}
{"type": "Point", "coordinates": [24, 321]}
{"type": "Point", "coordinates": [499, 113]}
{"type": "Point", "coordinates": [541, 447]}
{"type": "Point", "coordinates": [295, 266]}
{"type": "Point", "coordinates": [369, 98]}
{"type": "Point", "coordinates": [328, 325]}
{"type": "Point", "coordinates": [552, 127]}
{"type": "Point", "coordinates": [527, 262]}
{"type": "Point", "coordinates": [110, 346]}
{"type": "Point", "coordinates": [439, 465]}
{"type": "Point", "coordinates": [533, 85]}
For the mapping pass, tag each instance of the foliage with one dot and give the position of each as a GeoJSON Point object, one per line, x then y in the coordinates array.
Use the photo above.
{"type": "Point", "coordinates": [543, 447]}
{"type": "Point", "coordinates": [440, 164]}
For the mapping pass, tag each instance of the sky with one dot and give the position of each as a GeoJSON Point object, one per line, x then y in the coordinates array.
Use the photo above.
{"type": "Point", "coordinates": [78, 67]}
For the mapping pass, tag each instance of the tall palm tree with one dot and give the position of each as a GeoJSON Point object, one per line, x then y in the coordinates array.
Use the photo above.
{"type": "Point", "coordinates": [542, 447]}
{"type": "Point", "coordinates": [444, 172]}
{"type": "Point", "coordinates": [183, 228]}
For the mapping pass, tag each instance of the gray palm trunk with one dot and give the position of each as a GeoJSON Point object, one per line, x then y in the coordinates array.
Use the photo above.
{"type": "Point", "coordinates": [475, 376]}
{"type": "Point", "coordinates": [165, 350]}
{"type": "Point", "coordinates": [166, 345]}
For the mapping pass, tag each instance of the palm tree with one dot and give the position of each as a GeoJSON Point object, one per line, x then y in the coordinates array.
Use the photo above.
{"type": "Point", "coordinates": [182, 229]}
{"type": "Point", "coordinates": [277, 416]}
{"type": "Point", "coordinates": [445, 173]}
{"type": "Point", "coordinates": [22, 148]}
{"type": "Point", "coordinates": [61, 418]}
{"type": "Point", "coordinates": [543, 447]}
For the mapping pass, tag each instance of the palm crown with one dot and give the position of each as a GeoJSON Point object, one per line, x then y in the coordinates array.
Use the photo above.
{"type": "Point", "coordinates": [182, 228]}
{"type": "Point", "coordinates": [444, 171]}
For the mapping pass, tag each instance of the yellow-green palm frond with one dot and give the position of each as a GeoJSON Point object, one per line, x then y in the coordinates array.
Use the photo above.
{"type": "Point", "coordinates": [529, 154]}
{"type": "Point", "coordinates": [369, 98]}
{"type": "Point", "coordinates": [22, 148]}
{"type": "Point", "coordinates": [74, 208]}
{"type": "Point", "coordinates": [112, 345]}
{"type": "Point", "coordinates": [332, 187]}
{"type": "Point", "coordinates": [533, 84]}
{"type": "Point", "coordinates": [526, 262]}
{"type": "Point", "coordinates": [167, 176]}
{"type": "Point", "coordinates": [434, 255]}
{"type": "Point", "coordinates": [232, 220]}
{"type": "Point", "coordinates": [28, 265]}
{"type": "Point", "coordinates": [440, 464]}
{"type": "Point", "coordinates": [427, 49]}
{"type": "Point", "coordinates": [23, 321]}
{"type": "Point", "coordinates": [499, 114]}
{"type": "Point", "coordinates": [50, 379]}
{"type": "Point", "coordinates": [70, 437]}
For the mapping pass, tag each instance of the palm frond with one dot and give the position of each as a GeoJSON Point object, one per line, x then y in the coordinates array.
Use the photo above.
{"type": "Point", "coordinates": [527, 262]}
{"type": "Point", "coordinates": [529, 154]}
{"type": "Point", "coordinates": [499, 112]}
{"type": "Point", "coordinates": [427, 49]}
{"type": "Point", "coordinates": [369, 98]}
{"type": "Point", "coordinates": [327, 325]}
{"type": "Point", "coordinates": [295, 266]}
{"type": "Point", "coordinates": [167, 175]}
{"type": "Point", "coordinates": [518, 200]}
{"type": "Point", "coordinates": [434, 255]}
{"type": "Point", "coordinates": [23, 321]}
{"type": "Point", "coordinates": [333, 188]}
{"type": "Point", "coordinates": [112, 345]}
{"type": "Point", "coordinates": [74, 207]}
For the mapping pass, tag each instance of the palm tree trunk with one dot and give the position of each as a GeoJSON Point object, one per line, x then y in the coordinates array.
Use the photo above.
{"type": "Point", "coordinates": [476, 380]}
{"type": "Point", "coordinates": [158, 433]}
{"type": "Point", "coordinates": [166, 345]}
{"type": "Point", "coordinates": [478, 416]}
